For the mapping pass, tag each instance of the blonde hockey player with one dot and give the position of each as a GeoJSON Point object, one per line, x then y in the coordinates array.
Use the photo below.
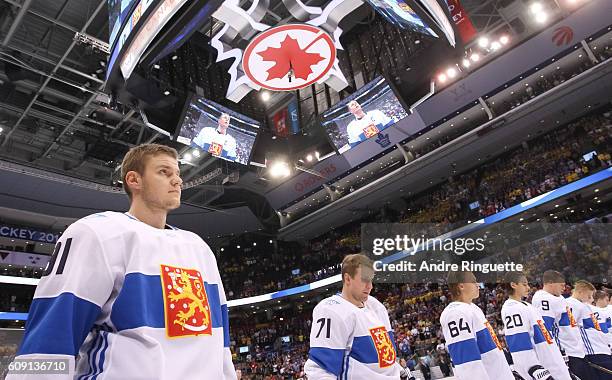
{"type": "Point", "coordinates": [351, 336]}
{"type": "Point", "coordinates": [126, 296]}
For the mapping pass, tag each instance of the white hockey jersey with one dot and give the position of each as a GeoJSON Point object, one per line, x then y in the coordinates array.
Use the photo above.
{"type": "Point", "coordinates": [560, 321]}
{"type": "Point", "coordinates": [130, 301]}
{"type": "Point", "coordinates": [348, 342]}
{"type": "Point", "coordinates": [472, 344]}
{"type": "Point", "coordinates": [368, 126]}
{"type": "Point", "coordinates": [530, 342]}
{"type": "Point", "coordinates": [602, 314]}
{"type": "Point", "coordinates": [215, 143]}
{"type": "Point", "coordinates": [593, 338]}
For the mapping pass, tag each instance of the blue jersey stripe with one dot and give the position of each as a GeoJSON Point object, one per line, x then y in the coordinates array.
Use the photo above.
{"type": "Point", "coordinates": [549, 322]}
{"type": "Point", "coordinates": [538, 336]}
{"type": "Point", "coordinates": [226, 329]}
{"type": "Point", "coordinates": [519, 342]}
{"type": "Point", "coordinates": [485, 341]}
{"type": "Point", "coordinates": [330, 359]}
{"type": "Point", "coordinates": [588, 323]}
{"type": "Point", "coordinates": [464, 351]}
{"type": "Point", "coordinates": [141, 303]}
{"type": "Point", "coordinates": [58, 325]}
{"type": "Point", "coordinates": [363, 350]}
{"type": "Point", "coordinates": [564, 320]}
{"type": "Point", "coordinates": [586, 341]}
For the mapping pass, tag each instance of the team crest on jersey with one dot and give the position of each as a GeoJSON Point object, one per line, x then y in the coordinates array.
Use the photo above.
{"type": "Point", "coordinates": [570, 315]}
{"type": "Point", "coordinates": [215, 149]}
{"type": "Point", "coordinates": [186, 305]}
{"type": "Point", "coordinates": [493, 335]}
{"type": "Point", "coordinates": [544, 331]}
{"type": "Point", "coordinates": [384, 346]}
{"type": "Point", "coordinates": [370, 131]}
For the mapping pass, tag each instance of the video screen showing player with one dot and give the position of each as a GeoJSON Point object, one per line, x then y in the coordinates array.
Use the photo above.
{"type": "Point", "coordinates": [372, 109]}
{"type": "Point", "coordinates": [218, 131]}
{"type": "Point", "coordinates": [399, 13]}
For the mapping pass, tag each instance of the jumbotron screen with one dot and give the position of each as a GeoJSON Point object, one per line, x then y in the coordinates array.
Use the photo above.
{"type": "Point", "coordinates": [218, 130]}
{"type": "Point", "coordinates": [364, 114]}
{"type": "Point", "coordinates": [399, 13]}
{"type": "Point", "coordinates": [116, 14]}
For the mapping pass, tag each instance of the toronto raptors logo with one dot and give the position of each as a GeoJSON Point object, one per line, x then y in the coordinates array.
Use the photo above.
{"type": "Point", "coordinates": [563, 35]}
{"type": "Point", "coordinates": [384, 346]}
{"type": "Point", "coordinates": [185, 302]}
{"type": "Point", "coordinates": [289, 57]}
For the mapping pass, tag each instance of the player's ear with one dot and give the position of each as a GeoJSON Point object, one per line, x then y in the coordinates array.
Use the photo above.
{"type": "Point", "coordinates": [133, 180]}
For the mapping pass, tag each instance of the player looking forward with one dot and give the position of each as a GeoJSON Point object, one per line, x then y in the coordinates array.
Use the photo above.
{"type": "Point", "coordinates": [127, 296]}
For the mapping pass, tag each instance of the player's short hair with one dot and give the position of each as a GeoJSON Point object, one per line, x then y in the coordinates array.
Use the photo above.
{"type": "Point", "coordinates": [552, 277]}
{"type": "Point", "coordinates": [583, 285]}
{"type": "Point", "coordinates": [225, 114]}
{"type": "Point", "coordinates": [136, 159]}
{"type": "Point", "coordinates": [511, 277]}
{"type": "Point", "coordinates": [354, 261]}
{"type": "Point", "coordinates": [454, 278]}
{"type": "Point", "coordinates": [600, 294]}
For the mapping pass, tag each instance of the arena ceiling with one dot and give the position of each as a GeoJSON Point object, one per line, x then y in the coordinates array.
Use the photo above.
{"type": "Point", "coordinates": [55, 117]}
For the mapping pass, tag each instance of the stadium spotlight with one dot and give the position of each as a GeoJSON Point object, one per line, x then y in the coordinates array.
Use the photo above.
{"type": "Point", "coordinates": [504, 39]}
{"type": "Point", "coordinates": [541, 17]}
{"type": "Point", "coordinates": [451, 72]}
{"type": "Point", "coordinates": [466, 63]}
{"type": "Point", "coordinates": [495, 46]}
{"type": "Point", "coordinates": [279, 169]}
{"type": "Point", "coordinates": [309, 158]}
{"type": "Point", "coordinates": [187, 157]}
{"type": "Point", "coordinates": [483, 42]}
{"type": "Point", "coordinates": [475, 57]}
{"type": "Point", "coordinates": [317, 155]}
{"type": "Point", "coordinates": [222, 249]}
{"type": "Point", "coordinates": [196, 153]}
{"type": "Point", "coordinates": [536, 8]}
{"type": "Point", "coordinates": [265, 96]}
{"type": "Point", "coordinates": [442, 78]}
{"type": "Point", "coordinates": [1, 129]}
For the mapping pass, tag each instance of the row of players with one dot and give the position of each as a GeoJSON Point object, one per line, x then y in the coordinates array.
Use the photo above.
{"type": "Point", "coordinates": [127, 296]}
{"type": "Point", "coordinates": [352, 338]}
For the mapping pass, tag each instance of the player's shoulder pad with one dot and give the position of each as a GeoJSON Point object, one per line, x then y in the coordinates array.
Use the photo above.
{"type": "Point", "coordinates": [456, 308]}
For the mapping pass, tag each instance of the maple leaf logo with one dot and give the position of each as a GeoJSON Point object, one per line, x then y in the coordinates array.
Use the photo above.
{"type": "Point", "coordinates": [289, 56]}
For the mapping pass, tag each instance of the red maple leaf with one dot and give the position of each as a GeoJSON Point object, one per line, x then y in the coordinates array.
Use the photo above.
{"type": "Point", "coordinates": [290, 56]}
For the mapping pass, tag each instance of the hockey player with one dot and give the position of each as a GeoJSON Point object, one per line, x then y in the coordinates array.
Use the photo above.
{"type": "Point", "coordinates": [594, 340]}
{"type": "Point", "coordinates": [217, 141]}
{"type": "Point", "coordinates": [365, 124]}
{"type": "Point", "coordinates": [126, 296]}
{"type": "Point", "coordinates": [534, 352]}
{"type": "Point", "coordinates": [471, 341]}
{"type": "Point", "coordinates": [351, 336]}
{"type": "Point", "coordinates": [560, 321]}
{"type": "Point", "coordinates": [602, 313]}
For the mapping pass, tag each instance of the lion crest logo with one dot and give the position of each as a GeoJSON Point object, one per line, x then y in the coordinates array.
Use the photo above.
{"type": "Point", "coordinates": [186, 306]}
{"type": "Point", "coordinates": [384, 346]}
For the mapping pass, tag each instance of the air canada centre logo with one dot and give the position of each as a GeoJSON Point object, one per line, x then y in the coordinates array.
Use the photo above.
{"type": "Point", "coordinates": [289, 57]}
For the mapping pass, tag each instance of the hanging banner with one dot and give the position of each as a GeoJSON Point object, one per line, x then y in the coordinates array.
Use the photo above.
{"type": "Point", "coordinates": [280, 123]}
{"type": "Point", "coordinates": [466, 29]}
{"type": "Point", "coordinates": [294, 118]}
